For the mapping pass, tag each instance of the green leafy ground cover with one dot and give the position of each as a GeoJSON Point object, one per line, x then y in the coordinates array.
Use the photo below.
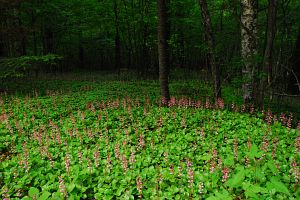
{"type": "Point", "coordinates": [110, 139]}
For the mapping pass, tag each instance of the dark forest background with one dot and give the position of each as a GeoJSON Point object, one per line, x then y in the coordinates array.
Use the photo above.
{"type": "Point", "coordinates": [39, 36]}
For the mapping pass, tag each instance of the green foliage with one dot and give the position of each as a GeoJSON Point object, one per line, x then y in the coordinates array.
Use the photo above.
{"type": "Point", "coordinates": [17, 67]}
{"type": "Point", "coordinates": [59, 144]}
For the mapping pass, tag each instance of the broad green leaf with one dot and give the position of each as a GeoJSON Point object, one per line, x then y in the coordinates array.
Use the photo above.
{"type": "Point", "coordinates": [70, 187]}
{"type": "Point", "coordinates": [272, 167]}
{"type": "Point", "coordinates": [33, 192]}
{"type": "Point", "coordinates": [237, 179]}
{"type": "Point", "coordinates": [45, 195]}
{"type": "Point", "coordinates": [278, 186]}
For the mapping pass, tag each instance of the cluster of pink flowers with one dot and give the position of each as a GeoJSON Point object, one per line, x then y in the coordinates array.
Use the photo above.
{"type": "Point", "coordinates": [289, 122]}
{"type": "Point", "coordinates": [132, 158]}
{"type": "Point", "coordinates": [141, 144]}
{"type": "Point", "coordinates": [96, 157]}
{"type": "Point", "coordinates": [26, 159]}
{"type": "Point", "coordinates": [247, 161]}
{"type": "Point", "coordinates": [191, 177]}
{"type": "Point", "coordinates": [67, 163]}
{"type": "Point", "coordinates": [265, 144]}
{"type": "Point", "coordinates": [62, 187]}
{"type": "Point", "coordinates": [5, 195]}
{"type": "Point", "coordinates": [117, 151]}
{"type": "Point", "coordinates": [139, 186]}
{"type": "Point", "coordinates": [269, 117]}
{"type": "Point", "coordinates": [166, 157]}
{"type": "Point", "coordinates": [51, 159]}
{"type": "Point", "coordinates": [89, 163]}
{"type": "Point", "coordinates": [190, 173]}
{"type": "Point", "coordinates": [220, 162]}
{"type": "Point", "coordinates": [220, 103]}
{"type": "Point", "coordinates": [283, 119]}
{"type": "Point", "coordinates": [295, 171]}
{"type": "Point", "coordinates": [201, 188]}
{"type": "Point", "coordinates": [212, 166]}
{"type": "Point", "coordinates": [180, 169]}
{"type": "Point", "coordinates": [124, 163]}
{"type": "Point", "coordinates": [225, 173]}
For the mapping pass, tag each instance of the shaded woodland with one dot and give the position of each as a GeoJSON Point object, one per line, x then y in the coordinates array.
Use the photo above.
{"type": "Point", "coordinates": [252, 44]}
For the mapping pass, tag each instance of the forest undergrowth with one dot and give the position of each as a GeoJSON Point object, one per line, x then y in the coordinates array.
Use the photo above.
{"type": "Point", "coordinates": [91, 139]}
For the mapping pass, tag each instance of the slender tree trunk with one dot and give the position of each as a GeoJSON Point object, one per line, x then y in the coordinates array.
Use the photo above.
{"type": "Point", "coordinates": [80, 50]}
{"type": "Point", "coordinates": [163, 48]}
{"type": "Point", "coordinates": [271, 31]}
{"type": "Point", "coordinates": [268, 54]}
{"type": "Point", "coordinates": [144, 60]}
{"type": "Point", "coordinates": [33, 21]}
{"type": "Point", "coordinates": [180, 49]}
{"type": "Point", "coordinates": [2, 38]}
{"type": "Point", "coordinates": [249, 48]}
{"type": "Point", "coordinates": [294, 85]}
{"type": "Point", "coordinates": [117, 38]}
{"type": "Point", "coordinates": [129, 28]}
{"type": "Point", "coordinates": [211, 45]}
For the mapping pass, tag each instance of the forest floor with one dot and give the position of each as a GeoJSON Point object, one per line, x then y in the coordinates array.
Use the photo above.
{"type": "Point", "coordinates": [96, 136]}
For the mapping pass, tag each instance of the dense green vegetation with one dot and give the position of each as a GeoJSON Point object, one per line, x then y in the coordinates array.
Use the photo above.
{"type": "Point", "coordinates": [165, 99]}
{"type": "Point", "coordinates": [111, 139]}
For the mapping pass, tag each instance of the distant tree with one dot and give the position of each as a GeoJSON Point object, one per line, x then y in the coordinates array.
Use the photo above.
{"type": "Point", "coordinates": [294, 83]}
{"type": "Point", "coordinates": [211, 48]}
{"type": "Point", "coordinates": [117, 37]}
{"type": "Point", "coordinates": [163, 47]}
{"type": "Point", "coordinates": [268, 54]}
{"type": "Point", "coordinates": [249, 47]}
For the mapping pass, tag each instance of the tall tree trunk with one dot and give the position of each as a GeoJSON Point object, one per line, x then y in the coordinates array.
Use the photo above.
{"type": "Point", "coordinates": [271, 31]}
{"type": "Point", "coordinates": [80, 50]}
{"type": "Point", "coordinates": [180, 48]}
{"type": "Point", "coordinates": [163, 47]}
{"type": "Point", "coordinates": [33, 23]}
{"type": "Point", "coordinates": [117, 38]}
{"type": "Point", "coordinates": [268, 54]}
{"type": "Point", "coordinates": [249, 48]}
{"type": "Point", "coordinates": [294, 83]}
{"type": "Point", "coordinates": [48, 39]}
{"type": "Point", "coordinates": [144, 60]}
{"type": "Point", "coordinates": [130, 49]}
{"type": "Point", "coordinates": [211, 45]}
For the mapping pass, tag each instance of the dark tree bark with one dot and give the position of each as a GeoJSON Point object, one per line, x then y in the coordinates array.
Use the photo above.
{"type": "Point", "coordinates": [180, 47]}
{"type": "Point", "coordinates": [271, 31]}
{"type": "Point", "coordinates": [144, 60]}
{"type": "Point", "coordinates": [294, 83]}
{"type": "Point", "coordinates": [2, 43]}
{"type": "Point", "coordinates": [117, 38]}
{"type": "Point", "coordinates": [163, 48]}
{"type": "Point", "coordinates": [81, 50]}
{"type": "Point", "coordinates": [48, 39]}
{"type": "Point", "coordinates": [249, 48]}
{"type": "Point", "coordinates": [211, 45]}
{"type": "Point", "coordinates": [268, 54]}
{"type": "Point", "coordinates": [33, 23]}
